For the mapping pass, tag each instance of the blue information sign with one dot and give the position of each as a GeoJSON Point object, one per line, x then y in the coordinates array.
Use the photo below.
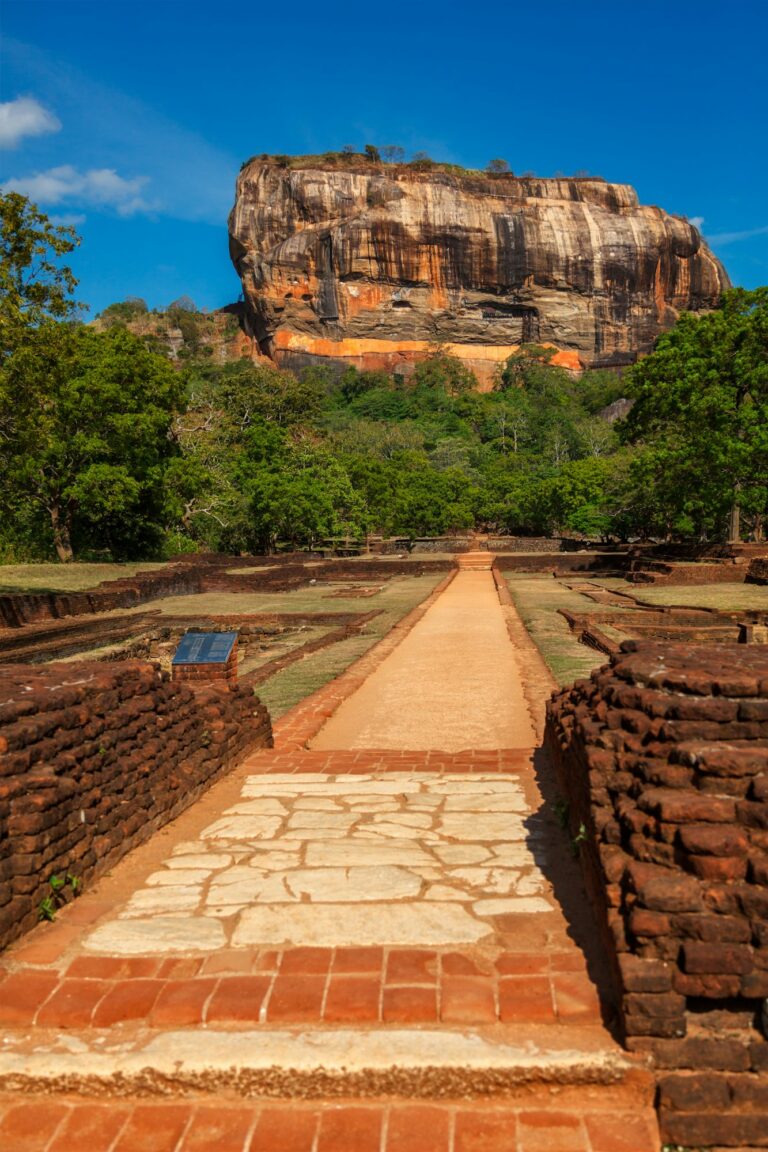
{"type": "Point", "coordinates": [205, 648]}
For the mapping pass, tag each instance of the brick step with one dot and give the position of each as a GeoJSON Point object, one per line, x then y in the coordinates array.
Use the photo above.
{"type": "Point", "coordinates": [356, 761]}
{"type": "Point", "coordinates": [475, 561]}
{"type": "Point", "coordinates": [411, 1062]}
{"type": "Point", "coordinates": [540, 1118]}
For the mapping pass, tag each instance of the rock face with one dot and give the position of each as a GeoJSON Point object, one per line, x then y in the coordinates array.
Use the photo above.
{"type": "Point", "coordinates": [371, 265]}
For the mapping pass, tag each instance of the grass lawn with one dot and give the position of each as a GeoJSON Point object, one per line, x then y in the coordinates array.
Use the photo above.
{"type": "Point", "coordinates": [398, 597]}
{"type": "Point", "coordinates": [314, 598]}
{"type": "Point", "coordinates": [538, 599]}
{"type": "Point", "coordinates": [725, 597]}
{"type": "Point", "coordinates": [66, 577]}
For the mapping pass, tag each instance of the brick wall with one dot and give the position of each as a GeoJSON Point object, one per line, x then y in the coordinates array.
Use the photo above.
{"type": "Point", "coordinates": [662, 757]}
{"type": "Point", "coordinates": [94, 758]}
{"type": "Point", "coordinates": [561, 562]}
{"type": "Point", "coordinates": [659, 572]}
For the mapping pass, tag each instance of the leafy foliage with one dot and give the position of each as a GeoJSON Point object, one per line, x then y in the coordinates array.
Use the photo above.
{"type": "Point", "coordinates": [34, 285]}
{"type": "Point", "coordinates": [701, 414]}
{"type": "Point", "coordinates": [86, 419]}
{"type": "Point", "coordinates": [124, 311]}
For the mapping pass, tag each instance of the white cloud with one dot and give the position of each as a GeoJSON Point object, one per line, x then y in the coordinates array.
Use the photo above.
{"type": "Point", "coordinates": [98, 187]}
{"type": "Point", "coordinates": [69, 219]}
{"type": "Point", "coordinates": [22, 117]}
{"type": "Point", "coordinates": [732, 237]}
{"type": "Point", "coordinates": [192, 179]}
{"type": "Point", "coordinates": [697, 221]}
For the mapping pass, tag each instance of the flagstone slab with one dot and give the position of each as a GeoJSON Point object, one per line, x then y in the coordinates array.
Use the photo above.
{"type": "Point", "coordinates": [326, 925]}
{"type": "Point", "coordinates": [367, 852]}
{"type": "Point", "coordinates": [210, 860]}
{"type": "Point", "coordinates": [518, 905]}
{"type": "Point", "coordinates": [481, 826]}
{"type": "Point", "coordinates": [242, 828]}
{"type": "Point", "coordinates": [157, 935]}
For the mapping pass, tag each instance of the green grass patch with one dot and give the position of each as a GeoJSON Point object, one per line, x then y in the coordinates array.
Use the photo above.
{"type": "Point", "coordinates": [398, 597]}
{"type": "Point", "coordinates": [67, 577]}
{"type": "Point", "coordinates": [308, 598]}
{"type": "Point", "coordinates": [538, 599]}
{"type": "Point", "coordinates": [723, 597]}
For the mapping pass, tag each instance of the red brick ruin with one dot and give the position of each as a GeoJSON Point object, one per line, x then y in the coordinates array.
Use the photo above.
{"type": "Point", "coordinates": [94, 758]}
{"type": "Point", "coordinates": [661, 758]}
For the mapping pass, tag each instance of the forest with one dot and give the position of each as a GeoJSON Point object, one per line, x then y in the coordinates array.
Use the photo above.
{"type": "Point", "coordinates": [109, 449]}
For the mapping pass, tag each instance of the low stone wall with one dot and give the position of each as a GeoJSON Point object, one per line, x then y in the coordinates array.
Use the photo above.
{"type": "Point", "coordinates": [662, 758]}
{"type": "Point", "coordinates": [558, 563]}
{"type": "Point", "coordinates": [96, 757]}
{"type": "Point", "coordinates": [458, 544]}
{"type": "Point", "coordinates": [20, 608]}
{"type": "Point", "coordinates": [294, 575]}
{"type": "Point", "coordinates": [661, 573]}
{"type": "Point", "coordinates": [526, 544]}
{"type": "Point", "coordinates": [757, 573]}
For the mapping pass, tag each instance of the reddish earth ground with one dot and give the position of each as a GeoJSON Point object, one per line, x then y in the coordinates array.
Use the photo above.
{"type": "Point", "coordinates": [379, 948]}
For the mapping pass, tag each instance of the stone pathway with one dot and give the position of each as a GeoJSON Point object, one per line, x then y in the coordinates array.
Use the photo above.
{"type": "Point", "coordinates": [392, 937]}
{"type": "Point", "coordinates": [452, 683]}
{"type": "Point", "coordinates": [401, 858]}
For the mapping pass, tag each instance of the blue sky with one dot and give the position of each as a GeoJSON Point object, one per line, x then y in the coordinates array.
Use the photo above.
{"type": "Point", "coordinates": [131, 119]}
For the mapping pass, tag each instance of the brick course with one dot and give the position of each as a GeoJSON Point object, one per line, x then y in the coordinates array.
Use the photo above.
{"type": "Point", "coordinates": [662, 757]}
{"type": "Point", "coordinates": [94, 758]}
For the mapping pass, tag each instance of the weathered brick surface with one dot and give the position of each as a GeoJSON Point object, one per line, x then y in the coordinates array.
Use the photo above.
{"type": "Point", "coordinates": [663, 757]}
{"type": "Point", "coordinates": [96, 757]}
{"type": "Point", "coordinates": [757, 572]}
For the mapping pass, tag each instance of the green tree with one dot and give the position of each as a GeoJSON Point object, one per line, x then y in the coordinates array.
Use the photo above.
{"type": "Point", "coordinates": [124, 310]}
{"type": "Point", "coordinates": [298, 492]}
{"type": "Point", "coordinates": [442, 372]}
{"type": "Point", "coordinates": [34, 285]}
{"type": "Point", "coordinates": [701, 410]}
{"type": "Point", "coordinates": [576, 497]}
{"type": "Point", "coordinates": [87, 418]}
{"type": "Point", "coordinates": [244, 391]}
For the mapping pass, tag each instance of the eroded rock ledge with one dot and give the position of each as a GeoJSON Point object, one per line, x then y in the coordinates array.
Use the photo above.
{"type": "Point", "coordinates": [372, 264]}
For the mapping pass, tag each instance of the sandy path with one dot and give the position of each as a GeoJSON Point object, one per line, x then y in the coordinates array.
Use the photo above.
{"type": "Point", "coordinates": [454, 683]}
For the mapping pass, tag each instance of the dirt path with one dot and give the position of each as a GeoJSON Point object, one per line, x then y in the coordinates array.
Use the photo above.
{"type": "Point", "coordinates": [452, 684]}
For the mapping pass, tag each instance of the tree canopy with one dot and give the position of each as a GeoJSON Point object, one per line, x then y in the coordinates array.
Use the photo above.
{"type": "Point", "coordinates": [34, 284]}
{"type": "Point", "coordinates": [87, 418]}
{"type": "Point", "coordinates": [701, 413]}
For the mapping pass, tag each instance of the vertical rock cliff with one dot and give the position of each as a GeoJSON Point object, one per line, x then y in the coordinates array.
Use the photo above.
{"type": "Point", "coordinates": [372, 265]}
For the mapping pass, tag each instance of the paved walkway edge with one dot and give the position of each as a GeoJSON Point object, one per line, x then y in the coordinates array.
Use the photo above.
{"type": "Point", "coordinates": [411, 1063]}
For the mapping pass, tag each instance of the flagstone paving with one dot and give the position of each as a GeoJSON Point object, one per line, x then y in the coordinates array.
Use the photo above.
{"type": "Point", "coordinates": [393, 937]}
{"type": "Point", "coordinates": [396, 858]}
